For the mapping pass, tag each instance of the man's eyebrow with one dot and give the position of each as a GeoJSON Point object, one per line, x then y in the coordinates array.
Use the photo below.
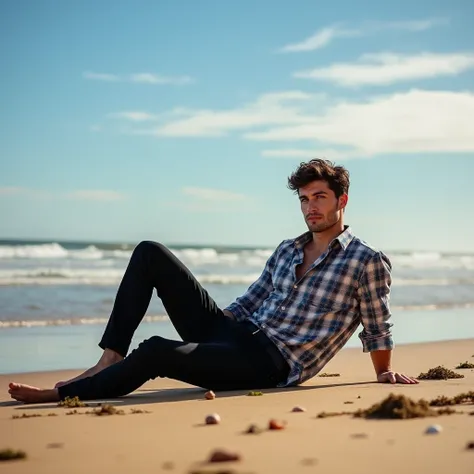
{"type": "Point", "coordinates": [317, 193]}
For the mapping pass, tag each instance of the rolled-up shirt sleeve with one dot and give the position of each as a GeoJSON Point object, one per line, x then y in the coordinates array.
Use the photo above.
{"type": "Point", "coordinates": [244, 306]}
{"type": "Point", "coordinates": [374, 300]}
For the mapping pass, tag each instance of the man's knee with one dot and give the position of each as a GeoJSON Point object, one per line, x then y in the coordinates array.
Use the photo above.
{"type": "Point", "coordinates": [149, 247]}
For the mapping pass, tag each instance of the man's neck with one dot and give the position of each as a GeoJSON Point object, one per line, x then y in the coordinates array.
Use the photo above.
{"type": "Point", "coordinates": [321, 240]}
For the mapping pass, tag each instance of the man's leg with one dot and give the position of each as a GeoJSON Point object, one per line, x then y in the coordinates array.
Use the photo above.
{"type": "Point", "coordinates": [152, 266]}
{"type": "Point", "coordinates": [235, 362]}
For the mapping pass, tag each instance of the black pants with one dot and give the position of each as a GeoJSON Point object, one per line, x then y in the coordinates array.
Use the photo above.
{"type": "Point", "coordinates": [216, 353]}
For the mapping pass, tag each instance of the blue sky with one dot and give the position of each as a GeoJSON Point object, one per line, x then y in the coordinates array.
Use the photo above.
{"type": "Point", "coordinates": [180, 121]}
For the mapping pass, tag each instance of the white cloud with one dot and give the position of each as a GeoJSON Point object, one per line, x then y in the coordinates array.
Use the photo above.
{"type": "Point", "coordinates": [409, 122]}
{"type": "Point", "coordinates": [326, 153]}
{"type": "Point", "coordinates": [139, 78]}
{"type": "Point", "coordinates": [273, 108]}
{"type": "Point", "coordinates": [387, 68]}
{"type": "Point", "coordinates": [210, 194]}
{"type": "Point", "coordinates": [96, 195]}
{"type": "Point", "coordinates": [147, 78]}
{"type": "Point", "coordinates": [12, 190]}
{"type": "Point", "coordinates": [134, 116]}
{"type": "Point", "coordinates": [326, 35]}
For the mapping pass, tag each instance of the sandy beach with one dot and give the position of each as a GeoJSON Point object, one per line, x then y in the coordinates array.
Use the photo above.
{"type": "Point", "coordinates": [172, 435]}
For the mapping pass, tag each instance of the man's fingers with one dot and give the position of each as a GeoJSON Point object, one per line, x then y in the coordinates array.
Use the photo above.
{"type": "Point", "coordinates": [404, 379]}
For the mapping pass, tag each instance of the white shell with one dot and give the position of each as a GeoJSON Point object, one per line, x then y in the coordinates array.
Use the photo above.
{"type": "Point", "coordinates": [433, 429]}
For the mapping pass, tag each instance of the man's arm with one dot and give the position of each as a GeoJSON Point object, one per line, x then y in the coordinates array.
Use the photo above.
{"type": "Point", "coordinates": [376, 336]}
{"type": "Point", "coordinates": [245, 305]}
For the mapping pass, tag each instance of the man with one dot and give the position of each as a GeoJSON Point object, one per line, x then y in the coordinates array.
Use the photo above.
{"type": "Point", "coordinates": [312, 295]}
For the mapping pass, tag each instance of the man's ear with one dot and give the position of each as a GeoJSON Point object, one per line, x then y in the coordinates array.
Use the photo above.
{"type": "Point", "coordinates": [343, 201]}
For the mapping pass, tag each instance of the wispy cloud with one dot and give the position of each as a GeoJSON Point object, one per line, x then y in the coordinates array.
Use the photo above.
{"type": "Point", "coordinates": [304, 153]}
{"type": "Point", "coordinates": [272, 108]}
{"type": "Point", "coordinates": [139, 78]}
{"type": "Point", "coordinates": [96, 195]}
{"type": "Point", "coordinates": [387, 68]}
{"type": "Point", "coordinates": [326, 35]}
{"type": "Point", "coordinates": [211, 194]}
{"type": "Point", "coordinates": [12, 190]}
{"type": "Point", "coordinates": [416, 121]}
{"type": "Point", "coordinates": [134, 116]}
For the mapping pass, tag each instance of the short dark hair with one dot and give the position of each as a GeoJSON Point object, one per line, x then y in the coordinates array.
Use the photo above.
{"type": "Point", "coordinates": [337, 177]}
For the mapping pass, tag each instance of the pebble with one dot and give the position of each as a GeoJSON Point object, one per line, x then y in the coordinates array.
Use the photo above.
{"type": "Point", "coordinates": [470, 445]}
{"type": "Point", "coordinates": [276, 425]}
{"type": "Point", "coordinates": [433, 429]}
{"type": "Point", "coordinates": [210, 395]}
{"type": "Point", "coordinates": [298, 409]}
{"type": "Point", "coordinates": [220, 455]}
{"type": "Point", "coordinates": [213, 419]}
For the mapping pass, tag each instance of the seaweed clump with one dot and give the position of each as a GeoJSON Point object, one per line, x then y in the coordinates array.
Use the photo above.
{"type": "Point", "coordinates": [400, 407]}
{"type": "Point", "coordinates": [11, 454]}
{"type": "Point", "coordinates": [327, 374]}
{"type": "Point", "coordinates": [328, 414]}
{"type": "Point", "coordinates": [443, 401]}
{"type": "Point", "coordinates": [72, 403]}
{"type": "Point", "coordinates": [465, 365]}
{"type": "Point", "coordinates": [440, 373]}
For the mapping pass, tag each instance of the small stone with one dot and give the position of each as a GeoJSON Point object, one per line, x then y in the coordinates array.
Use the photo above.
{"type": "Point", "coordinates": [276, 425]}
{"type": "Point", "coordinates": [210, 395]}
{"type": "Point", "coordinates": [253, 429]}
{"type": "Point", "coordinates": [220, 455]}
{"type": "Point", "coordinates": [298, 409]}
{"type": "Point", "coordinates": [470, 445]}
{"type": "Point", "coordinates": [433, 429]}
{"type": "Point", "coordinates": [213, 419]}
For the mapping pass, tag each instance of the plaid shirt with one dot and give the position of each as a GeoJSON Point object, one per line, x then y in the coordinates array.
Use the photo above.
{"type": "Point", "coordinates": [311, 319]}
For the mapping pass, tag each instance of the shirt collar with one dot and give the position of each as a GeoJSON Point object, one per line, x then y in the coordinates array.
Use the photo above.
{"type": "Point", "coordinates": [344, 238]}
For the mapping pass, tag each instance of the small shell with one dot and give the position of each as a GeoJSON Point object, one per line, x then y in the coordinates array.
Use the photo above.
{"type": "Point", "coordinates": [213, 419]}
{"type": "Point", "coordinates": [276, 425]}
{"type": "Point", "coordinates": [433, 429]}
{"type": "Point", "coordinates": [219, 455]}
{"type": "Point", "coordinates": [298, 409]}
{"type": "Point", "coordinates": [210, 395]}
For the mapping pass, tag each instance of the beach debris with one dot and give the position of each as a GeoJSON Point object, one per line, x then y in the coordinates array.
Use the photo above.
{"type": "Point", "coordinates": [328, 414]}
{"type": "Point", "coordinates": [213, 419]}
{"type": "Point", "coordinates": [73, 402]}
{"type": "Point", "coordinates": [465, 365]}
{"type": "Point", "coordinates": [26, 415]}
{"type": "Point", "coordinates": [52, 414]}
{"type": "Point", "coordinates": [55, 445]}
{"type": "Point", "coordinates": [443, 401]}
{"type": "Point", "coordinates": [137, 411]}
{"type": "Point", "coordinates": [254, 394]}
{"type": "Point", "coordinates": [222, 455]}
{"type": "Point", "coordinates": [326, 374]}
{"type": "Point", "coordinates": [11, 454]}
{"type": "Point", "coordinates": [359, 435]}
{"type": "Point", "coordinates": [433, 429]}
{"type": "Point", "coordinates": [74, 412]}
{"type": "Point", "coordinates": [298, 409]}
{"type": "Point", "coordinates": [401, 407]}
{"type": "Point", "coordinates": [439, 373]}
{"type": "Point", "coordinates": [106, 409]}
{"type": "Point", "coordinates": [210, 395]}
{"type": "Point", "coordinates": [348, 402]}
{"type": "Point", "coordinates": [358, 396]}
{"type": "Point", "coordinates": [276, 425]}
{"type": "Point", "coordinates": [470, 444]}
{"type": "Point", "coordinates": [254, 429]}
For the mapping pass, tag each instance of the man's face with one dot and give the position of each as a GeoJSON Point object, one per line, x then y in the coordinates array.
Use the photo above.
{"type": "Point", "coordinates": [320, 207]}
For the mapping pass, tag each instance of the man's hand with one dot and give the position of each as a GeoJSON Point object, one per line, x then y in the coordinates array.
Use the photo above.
{"type": "Point", "coordinates": [228, 314]}
{"type": "Point", "coordinates": [394, 377]}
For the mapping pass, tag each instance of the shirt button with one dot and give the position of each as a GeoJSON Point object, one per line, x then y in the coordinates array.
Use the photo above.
{"type": "Point", "coordinates": [283, 308]}
{"type": "Point", "coordinates": [295, 286]}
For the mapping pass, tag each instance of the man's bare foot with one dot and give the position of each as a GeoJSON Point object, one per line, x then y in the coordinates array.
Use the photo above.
{"type": "Point", "coordinates": [108, 358]}
{"type": "Point", "coordinates": [28, 394]}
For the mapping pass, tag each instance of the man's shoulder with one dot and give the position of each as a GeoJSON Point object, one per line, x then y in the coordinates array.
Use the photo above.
{"type": "Point", "coordinates": [366, 251]}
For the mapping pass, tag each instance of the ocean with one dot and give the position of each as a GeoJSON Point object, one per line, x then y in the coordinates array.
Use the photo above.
{"type": "Point", "coordinates": [55, 297]}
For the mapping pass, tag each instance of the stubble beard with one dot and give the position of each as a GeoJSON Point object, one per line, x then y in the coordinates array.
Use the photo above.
{"type": "Point", "coordinates": [332, 219]}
